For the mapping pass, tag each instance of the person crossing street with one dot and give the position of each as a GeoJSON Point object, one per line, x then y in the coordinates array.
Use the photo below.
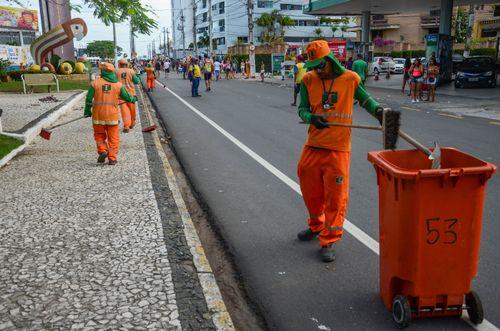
{"type": "Point", "coordinates": [299, 71]}
{"type": "Point", "coordinates": [151, 77]}
{"type": "Point", "coordinates": [326, 95]}
{"type": "Point", "coordinates": [196, 78]}
{"type": "Point", "coordinates": [101, 104]}
{"type": "Point", "coordinates": [128, 79]}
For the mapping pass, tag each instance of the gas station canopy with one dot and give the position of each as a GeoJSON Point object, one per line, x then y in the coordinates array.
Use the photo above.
{"type": "Point", "coordinates": [386, 7]}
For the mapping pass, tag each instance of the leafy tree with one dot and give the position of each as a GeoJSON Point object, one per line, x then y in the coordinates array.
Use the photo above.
{"type": "Point", "coordinates": [203, 41]}
{"type": "Point", "coordinates": [460, 23]}
{"type": "Point", "coordinates": [274, 25]}
{"type": "Point", "coordinates": [318, 34]}
{"type": "Point", "coordinates": [103, 49]}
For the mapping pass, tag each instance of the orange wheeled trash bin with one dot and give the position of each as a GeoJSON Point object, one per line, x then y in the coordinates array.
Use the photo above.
{"type": "Point", "coordinates": [430, 231]}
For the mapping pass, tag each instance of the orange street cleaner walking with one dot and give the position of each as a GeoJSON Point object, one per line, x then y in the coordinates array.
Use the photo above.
{"type": "Point", "coordinates": [150, 77]}
{"type": "Point", "coordinates": [326, 95]}
{"type": "Point", "coordinates": [102, 104]}
{"type": "Point", "coordinates": [128, 78]}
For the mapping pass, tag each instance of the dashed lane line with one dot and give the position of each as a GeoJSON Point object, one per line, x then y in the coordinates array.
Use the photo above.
{"type": "Point", "coordinates": [409, 108]}
{"type": "Point", "coordinates": [494, 123]}
{"type": "Point", "coordinates": [452, 116]}
{"type": "Point", "coordinates": [356, 232]}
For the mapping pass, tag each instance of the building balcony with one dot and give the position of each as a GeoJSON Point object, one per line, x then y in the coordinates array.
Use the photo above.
{"type": "Point", "coordinates": [429, 22]}
{"type": "Point", "coordinates": [379, 21]}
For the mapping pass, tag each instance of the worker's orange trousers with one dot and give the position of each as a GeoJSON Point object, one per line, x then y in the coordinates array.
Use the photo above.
{"type": "Point", "coordinates": [128, 114]}
{"type": "Point", "coordinates": [107, 139]}
{"type": "Point", "coordinates": [151, 82]}
{"type": "Point", "coordinates": [324, 182]}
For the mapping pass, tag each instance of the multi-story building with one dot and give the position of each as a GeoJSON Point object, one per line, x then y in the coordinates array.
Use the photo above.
{"type": "Point", "coordinates": [182, 26]}
{"type": "Point", "coordinates": [407, 31]}
{"type": "Point", "coordinates": [230, 21]}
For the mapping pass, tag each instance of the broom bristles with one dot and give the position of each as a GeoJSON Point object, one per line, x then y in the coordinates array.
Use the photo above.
{"type": "Point", "coordinates": [45, 134]}
{"type": "Point", "coordinates": [391, 123]}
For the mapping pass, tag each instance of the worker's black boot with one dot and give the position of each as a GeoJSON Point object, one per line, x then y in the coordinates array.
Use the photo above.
{"type": "Point", "coordinates": [102, 157]}
{"type": "Point", "coordinates": [112, 162]}
{"type": "Point", "coordinates": [327, 253]}
{"type": "Point", "coordinates": [307, 235]}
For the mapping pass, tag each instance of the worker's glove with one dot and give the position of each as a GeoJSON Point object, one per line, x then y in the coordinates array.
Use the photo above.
{"type": "Point", "coordinates": [379, 114]}
{"type": "Point", "coordinates": [319, 122]}
{"type": "Point", "coordinates": [87, 112]}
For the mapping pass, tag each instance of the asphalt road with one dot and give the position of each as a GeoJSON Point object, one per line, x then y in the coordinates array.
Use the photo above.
{"type": "Point", "coordinates": [258, 214]}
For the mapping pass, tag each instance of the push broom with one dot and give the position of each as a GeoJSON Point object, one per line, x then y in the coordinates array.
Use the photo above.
{"type": "Point", "coordinates": [390, 131]}
{"type": "Point", "coordinates": [46, 133]}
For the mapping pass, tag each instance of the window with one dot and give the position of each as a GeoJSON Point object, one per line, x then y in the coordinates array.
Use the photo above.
{"type": "Point", "coordinates": [204, 3]}
{"type": "Point", "coordinates": [312, 23]}
{"type": "Point", "coordinates": [264, 4]}
{"type": "Point", "coordinates": [204, 17]}
{"type": "Point", "coordinates": [28, 37]}
{"type": "Point", "coordinates": [222, 25]}
{"type": "Point", "coordinates": [214, 7]}
{"type": "Point", "coordinates": [435, 12]}
{"type": "Point", "coordinates": [242, 39]}
{"type": "Point", "coordinates": [496, 13]}
{"type": "Point", "coordinates": [221, 41]}
{"type": "Point", "coordinates": [286, 6]}
{"type": "Point", "coordinates": [10, 38]}
{"type": "Point", "coordinates": [488, 33]}
{"type": "Point", "coordinates": [377, 17]}
{"type": "Point", "coordinates": [221, 8]}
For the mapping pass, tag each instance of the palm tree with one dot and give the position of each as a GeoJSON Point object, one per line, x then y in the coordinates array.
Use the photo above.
{"type": "Point", "coordinates": [274, 25]}
{"type": "Point", "coordinates": [318, 34]}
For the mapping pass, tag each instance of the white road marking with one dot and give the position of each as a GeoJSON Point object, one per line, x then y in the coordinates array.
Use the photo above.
{"type": "Point", "coordinates": [356, 232]}
{"type": "Point", "coordinates": [452, 116]}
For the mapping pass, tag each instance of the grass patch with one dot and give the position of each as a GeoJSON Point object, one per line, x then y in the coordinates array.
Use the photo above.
{"type": "Point", "coordinates": [64, 85]}
{"type": "Point", "coordinates": [7, 144]}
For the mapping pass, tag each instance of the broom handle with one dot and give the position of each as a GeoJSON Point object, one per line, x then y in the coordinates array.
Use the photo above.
{"type": "Point", "coordinates": [414, 143]}
{"type": "Point", "coordinates": [64, 123]}
{"type": "Point", "coordinates": [354, 126]}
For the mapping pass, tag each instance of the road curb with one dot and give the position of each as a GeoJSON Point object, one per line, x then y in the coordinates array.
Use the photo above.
{"type": "Point", "coordinates": [218, 310]}
{"type": "Point", "coordinates": [31, 133]}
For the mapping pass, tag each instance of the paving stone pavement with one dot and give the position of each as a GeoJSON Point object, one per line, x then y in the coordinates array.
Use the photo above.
{"type": "Point", "coordinates": [19, 110]}
{"type": "Point", "coordinates": [82, 245]}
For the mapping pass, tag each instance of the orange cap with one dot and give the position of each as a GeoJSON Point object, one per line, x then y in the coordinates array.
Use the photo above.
{"type": "Point", "coordinates": [106, 66]}
{"type": "Point", "coordinates": [123, 62]}
{"type": "Point", "coordinates": [316, 51]}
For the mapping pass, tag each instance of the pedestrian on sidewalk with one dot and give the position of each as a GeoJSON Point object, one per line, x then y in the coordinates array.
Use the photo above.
{"type": "Point", "coordinates": [348, 64]}
{"type": "Point", "coordinates": [360, 67]}
{"type": "Point", "coordinates": [101, 103]}
{"type": "Point", "coordinates": [326, 95]}
{"type": "Point", "coordinates": [283, 70]}
{"type": "Point", "coordinates": [128, 78]}
{"type": "Point", "coordinates": [217, 66]}
{"type": "Point", "coordinates": [151, 75]}
{"type": "Point", "coordinates": [247, 69]}
{"type": "Point", "coordinates": [262, 71]}
{"type": "Point", "coordinates": [406, 75]}
{"type": "Point", "coordinates": [299, 71]}
{"type": "Point", "coordinates": [432, 75]}
{"type": "Point", "coordinates": [196, 79]}
{"type": "Point", "coordinates": [166, 67]}
{"type": "Point", "coordinates": [208, 68]}
{"type": "Point", "coordinates": [242, 69]}
{"type": "Point", "coordinates": [417, 73]}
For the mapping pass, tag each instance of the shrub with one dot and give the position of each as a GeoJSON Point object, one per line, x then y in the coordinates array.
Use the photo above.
{"type": "Point", "coordinates": [16, 74]}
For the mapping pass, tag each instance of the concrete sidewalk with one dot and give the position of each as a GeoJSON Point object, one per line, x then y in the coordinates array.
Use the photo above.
{"type": "Point", "coordinates": [86, 246]}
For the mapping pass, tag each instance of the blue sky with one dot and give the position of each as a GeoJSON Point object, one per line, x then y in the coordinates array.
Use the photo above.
{"type": "Point", "coordinates": [98, 31]}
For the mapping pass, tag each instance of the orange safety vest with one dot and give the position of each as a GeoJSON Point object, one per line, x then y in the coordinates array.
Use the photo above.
{"type": "Point", "coordinates": [150, 73]}
{"type": "Point", "coordinates": [105, 105]}
{"type": "Point", "coordinates": [333, 138]}
{"type": "Point", "coordinates": [125, 75]}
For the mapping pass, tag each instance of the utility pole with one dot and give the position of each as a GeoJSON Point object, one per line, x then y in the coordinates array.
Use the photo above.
{"type": "Point", "coordinates": [210, 28]}
{"type": "Point", "coordinates": [251, 54]}
{"type": "Point", "coordinates": [165, 41]}
{"type": "Point", "coordinates": [468, 35]}
{"type": "Point", "coordinates": [153, 49]}
{"type": "Point", "coordinates": [132, 43]}
{"type": "Point", "coordinates": [195, 44]}
{"type": "Point", "coordinates": [168, 45]}
{"type": "Point", "coordinates": [183, 36]}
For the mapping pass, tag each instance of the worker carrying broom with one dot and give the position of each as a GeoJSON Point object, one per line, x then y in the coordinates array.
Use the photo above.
{"type": "Point", "coordinates": [128, 78]}
{"type": "Point", "coordinates": [151, 77]}
{"type": "Point", "coordinates": [102, 102]}
{"type": "Point", "coordinates": [326, 95]}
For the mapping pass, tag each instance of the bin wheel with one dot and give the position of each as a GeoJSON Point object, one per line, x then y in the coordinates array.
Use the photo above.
{"type": "Point", "coordinates": [401, 311]}
{"type": "Point", "coordinates": [474, 307]}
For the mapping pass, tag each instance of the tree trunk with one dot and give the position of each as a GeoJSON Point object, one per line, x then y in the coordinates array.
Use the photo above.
{"type": "Point", "coordinates": [115, 58]}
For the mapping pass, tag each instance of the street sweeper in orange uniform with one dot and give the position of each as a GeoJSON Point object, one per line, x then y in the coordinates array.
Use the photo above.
{"type": "Point", "coordinates": [128, 78]}
{"type": "Point", "coordinates": [102, 102]}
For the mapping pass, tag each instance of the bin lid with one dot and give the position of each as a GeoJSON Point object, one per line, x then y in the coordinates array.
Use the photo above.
{"type": "Point", "coordinates": [412, 164]}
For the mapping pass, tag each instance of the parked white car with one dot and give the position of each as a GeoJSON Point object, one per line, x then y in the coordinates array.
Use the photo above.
{"type": "Point", "coordinates": [382, 64]}
{"type": "Point", "coordinates": [399, 65]}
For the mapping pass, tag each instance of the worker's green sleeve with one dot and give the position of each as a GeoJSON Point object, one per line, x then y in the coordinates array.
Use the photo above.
{"type": "Point", "coordinates": [365, 100]}
{"type": "Point", "coordinates": [136, 79]}
{"type": "Point", "coordinates": [304, 106]}
{"type": "Point", "coordinates": [125, 96]}
{"type": "Point", "coordinates": [88, 102]}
